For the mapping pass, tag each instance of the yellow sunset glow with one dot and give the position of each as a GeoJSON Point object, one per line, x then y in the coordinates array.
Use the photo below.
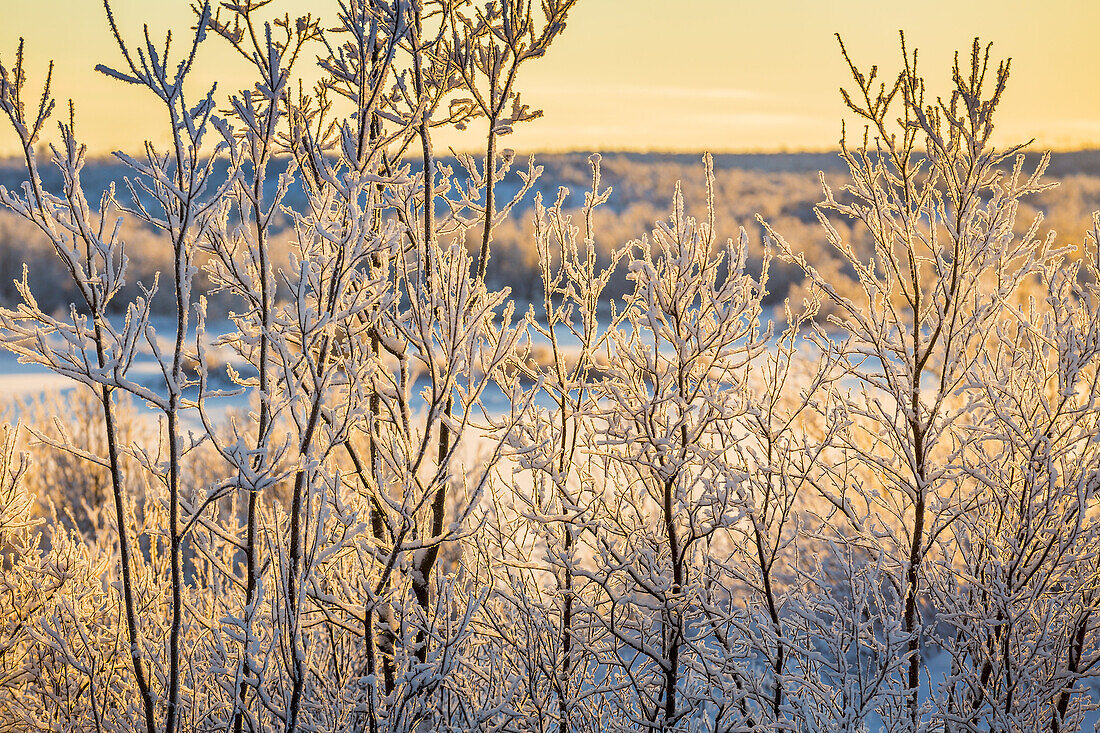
{"type": "Point", "coordinates": [719, 75]}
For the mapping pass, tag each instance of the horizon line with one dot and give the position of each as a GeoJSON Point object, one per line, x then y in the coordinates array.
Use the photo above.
{"type": "Point", "coordinates": [92, 157]}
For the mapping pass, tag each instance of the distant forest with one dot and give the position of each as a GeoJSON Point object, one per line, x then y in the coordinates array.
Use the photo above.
{"type": "Point", "coordinates": [782, 188]}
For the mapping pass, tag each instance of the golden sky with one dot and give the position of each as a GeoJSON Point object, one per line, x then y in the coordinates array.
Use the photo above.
{"type": "Point", "coordinates": [719, 75]}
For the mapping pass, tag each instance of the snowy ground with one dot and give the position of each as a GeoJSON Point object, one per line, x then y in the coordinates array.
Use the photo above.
{"type": "Point", "coordinates": [23, 382]}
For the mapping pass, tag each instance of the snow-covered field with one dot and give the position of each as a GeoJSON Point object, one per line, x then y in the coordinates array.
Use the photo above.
{"type": "Point", "coordinates": [23, 382]}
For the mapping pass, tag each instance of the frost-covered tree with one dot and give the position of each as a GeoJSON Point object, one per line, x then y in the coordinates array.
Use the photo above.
{"type": "Point", "coordinates": [1016, 585]}
{"type": "Point", "coordinates": [371, 497]}
{"type": "Point", "coordinates": [365, 358]}
{"type": "Point", "coordinates": [926, 342]}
